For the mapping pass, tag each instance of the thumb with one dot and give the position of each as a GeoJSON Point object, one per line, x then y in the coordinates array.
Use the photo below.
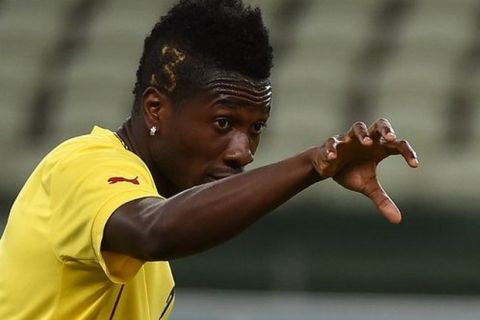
{"type": "Point", "coordinates": [383, 202]}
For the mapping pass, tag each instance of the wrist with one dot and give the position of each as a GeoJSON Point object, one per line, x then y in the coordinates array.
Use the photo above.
{"type": "Point", "coordinates": [310, 156]}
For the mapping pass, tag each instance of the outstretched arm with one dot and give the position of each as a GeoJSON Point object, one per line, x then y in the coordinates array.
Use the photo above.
{"type": "Point", "coordinates": [209, 214]}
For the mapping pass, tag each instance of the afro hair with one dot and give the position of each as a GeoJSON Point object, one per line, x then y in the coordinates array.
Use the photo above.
{"type": "Point", "coordinates": [197, 36]}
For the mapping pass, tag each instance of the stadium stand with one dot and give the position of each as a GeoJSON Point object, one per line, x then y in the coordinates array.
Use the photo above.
{"type": "Point", "coordinates": [412, 61]}
{"type": "Point", "coordinates": [334, 65]}
{"type": "Point", "coordinates": [28, 30]}
{"type": "Point", "coordinates": [338, 61]}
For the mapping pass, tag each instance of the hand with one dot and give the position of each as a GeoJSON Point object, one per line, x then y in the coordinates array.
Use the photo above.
{"type": "Point", "coordinates": [351, 160]}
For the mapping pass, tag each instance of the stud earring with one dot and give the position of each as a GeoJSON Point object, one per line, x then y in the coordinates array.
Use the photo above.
{"type": "Point", "coordinates": [153, 130]}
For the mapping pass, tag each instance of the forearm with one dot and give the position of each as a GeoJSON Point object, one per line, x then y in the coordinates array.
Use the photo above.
{"type": "Point", "coordinates": [209, 214]}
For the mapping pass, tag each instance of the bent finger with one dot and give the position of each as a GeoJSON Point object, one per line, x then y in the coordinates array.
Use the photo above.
{"type": "Point", "coordinates": [404, 148]}
{"type": "Point", "coordinates": [331, 148]}
{"type": "Point", "coordinates": [382, 129]}
{"type": "Point", "coordinates": [359, 131]}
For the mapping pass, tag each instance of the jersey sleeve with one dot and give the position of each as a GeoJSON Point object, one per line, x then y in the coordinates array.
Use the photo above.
{"type": "Point", "coordinates": [85, 190]}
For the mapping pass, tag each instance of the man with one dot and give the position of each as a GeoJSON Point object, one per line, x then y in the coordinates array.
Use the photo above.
{"type": "Point", "coordinates": [90, 234]}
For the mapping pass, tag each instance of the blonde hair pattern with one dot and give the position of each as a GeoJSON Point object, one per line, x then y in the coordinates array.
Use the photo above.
{"type": "Point", "coordinates": [176, 57]}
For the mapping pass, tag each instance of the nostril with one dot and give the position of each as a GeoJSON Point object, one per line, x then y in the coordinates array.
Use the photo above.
{"type": "Point", "coordinates": [242, 158]}
{"type": "Point", "coordinates": [238, 153]}
{"type": "Point", "coordinates": [238, 158]}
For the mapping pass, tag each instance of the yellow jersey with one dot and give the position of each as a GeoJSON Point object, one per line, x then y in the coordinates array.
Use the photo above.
{"type": "Point", "coordinates": [51, 263]}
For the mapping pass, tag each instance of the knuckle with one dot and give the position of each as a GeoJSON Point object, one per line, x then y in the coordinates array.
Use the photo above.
{"type": "Point", "coordinates": [359, 124]}
{"type": "Point", "coordinates": [330, 141]}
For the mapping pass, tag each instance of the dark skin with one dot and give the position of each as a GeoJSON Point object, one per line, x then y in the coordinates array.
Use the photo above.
{"type": "Point", "coordinates": [197, 159]}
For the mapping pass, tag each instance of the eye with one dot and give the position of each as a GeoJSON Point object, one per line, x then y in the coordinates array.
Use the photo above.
{"type": "Point", "coordinates": [222, 124]}
{"type": "Point", "coordinates": [258, 127]}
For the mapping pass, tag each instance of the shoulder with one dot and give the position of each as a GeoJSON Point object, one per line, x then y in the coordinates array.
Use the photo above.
{"type": "Point", "coordinates": [101, 145]}
{"type": "Point", "coordinates": [95, 156]}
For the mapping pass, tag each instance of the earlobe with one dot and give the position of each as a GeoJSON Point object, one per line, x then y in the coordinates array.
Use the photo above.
{"type": "Point", "coordinates": [156, 106]}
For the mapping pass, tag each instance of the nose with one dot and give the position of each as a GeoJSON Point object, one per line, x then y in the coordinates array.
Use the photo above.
{"type": "Point", "coordinates": [238, 153]}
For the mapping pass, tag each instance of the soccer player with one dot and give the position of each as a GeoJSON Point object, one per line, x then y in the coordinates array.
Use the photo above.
{"type": "Point", "coordinates": [91, 232]}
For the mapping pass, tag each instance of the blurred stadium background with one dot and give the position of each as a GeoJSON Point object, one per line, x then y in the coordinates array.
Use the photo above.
{"type": "Point", "coordinates": [66, 65]}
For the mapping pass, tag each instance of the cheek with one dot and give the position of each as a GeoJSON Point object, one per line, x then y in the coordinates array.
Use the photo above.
{"type": "Point", "coordinates": [202, 144]}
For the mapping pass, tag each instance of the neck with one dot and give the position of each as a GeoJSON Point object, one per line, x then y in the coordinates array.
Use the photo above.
{"type": "Point", "coordinates": [135, 135]}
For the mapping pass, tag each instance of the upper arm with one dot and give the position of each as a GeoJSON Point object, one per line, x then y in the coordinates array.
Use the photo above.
{"type": "Point", "coordinates": [128, 227]}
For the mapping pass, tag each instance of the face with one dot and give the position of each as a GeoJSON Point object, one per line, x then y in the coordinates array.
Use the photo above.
{"type": "Point", "coordinates": [213, 135]}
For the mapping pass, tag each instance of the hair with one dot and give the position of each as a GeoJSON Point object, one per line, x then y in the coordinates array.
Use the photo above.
{"type": "Point", "coordinates": [199, 36]}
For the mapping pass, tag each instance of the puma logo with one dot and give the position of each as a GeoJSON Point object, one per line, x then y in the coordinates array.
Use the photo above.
{"type": "Point", "coordinates": [113, 180]}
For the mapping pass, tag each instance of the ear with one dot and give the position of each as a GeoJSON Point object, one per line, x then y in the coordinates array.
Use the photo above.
{"type": "Point", "coordinates": [157, 107]}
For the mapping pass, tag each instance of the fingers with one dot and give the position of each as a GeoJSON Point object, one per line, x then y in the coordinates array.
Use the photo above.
{"type": "Point", "coordinates": [380, 132]}
{"type": "Point", "coordinates": [403, 148]}
{"type": "Point", "coordinates": [324, 158]}
{"type": "Point", "coordinates": [331, 148]}
{"type": "Point", "coordinates": [382, 129]}
{"type": "Point", "coordinates": [379, 129]}
{"type": "Point", "coordinates": [383, 202]}
{"type": "Point", "coordinates": [360, 131]}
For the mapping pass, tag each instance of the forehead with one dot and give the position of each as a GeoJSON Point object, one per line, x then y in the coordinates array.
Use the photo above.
{"type": "Point", "coordinates": [239, 90]}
